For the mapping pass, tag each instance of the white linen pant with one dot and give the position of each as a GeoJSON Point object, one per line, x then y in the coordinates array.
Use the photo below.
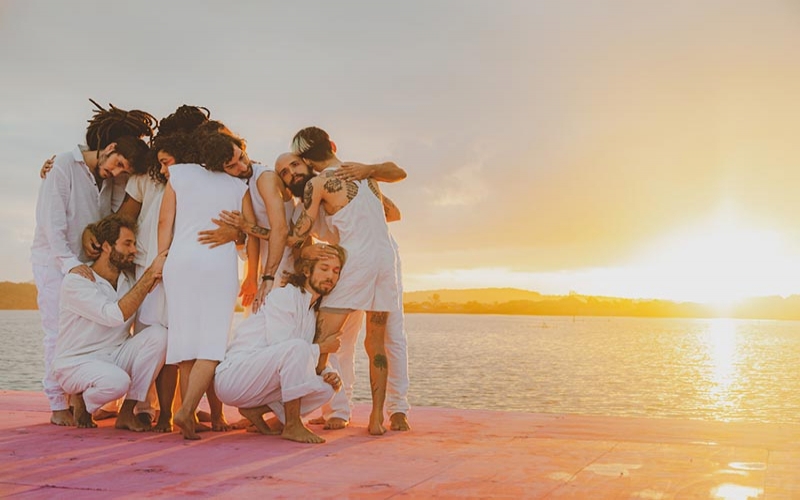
{"type": "Point", "coordinates": [271, 376]}
{"type": "Point", "coordinates": [108, 375]}
{"type": "Point", "coordinates": [48, 288]}
{"type": "Point", "coordinates": [343, 361]}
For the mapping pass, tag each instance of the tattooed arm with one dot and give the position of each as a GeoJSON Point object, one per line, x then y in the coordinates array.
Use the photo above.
{"type": "Point", "coordinates": [312, 199]}
{"type": "Point", "coordinates": [390, 210]}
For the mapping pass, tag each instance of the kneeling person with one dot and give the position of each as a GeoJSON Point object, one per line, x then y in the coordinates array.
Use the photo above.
{"type": "Point", "coordinates": [270, 364]}
{"type": "Point", "coordinates": [97, 359]}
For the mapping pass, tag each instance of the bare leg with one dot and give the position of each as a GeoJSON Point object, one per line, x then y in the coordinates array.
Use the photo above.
{"type": "Point", "coordinates": [83, 419]}
{"type": "Point", "coordinates": [328, 324]}
{"type": "Point", "coordinates": [127, 420]}
{"type": "Point", "coordinates": [294, 429]}
{"type": "Point", "coordinates": [166, 382]}
{"type": "Point", "coordinates": [62, 417]}
{"type": "Point", "coordinates": [256, 417]}
{"type": "Point", "coordinates": [378, 368]}
{"type": "Point", "coordinates": [218, 422]}
{"type": "Point", "coordinates": [200, 376]}
{"type": "Point", "coordinates": [399, 422]}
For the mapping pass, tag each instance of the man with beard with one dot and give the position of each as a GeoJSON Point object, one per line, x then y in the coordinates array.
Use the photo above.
{"type": "Point", "coordinates": [270, 365]}
{"type": "Point", "coordinates": [97, 360]}
{"type": "Point", "coordinates": [337, 412]}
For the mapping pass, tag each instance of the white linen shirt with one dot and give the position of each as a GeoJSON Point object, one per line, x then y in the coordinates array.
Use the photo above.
{"type": "Point", "coordinates": [286, 314]}
{"type": "Point", "coordinates": [148, 193]}
{"type": "Point", "coordinates": [90, 320]}
{"type": "Point", "coordinates": [69, 200]}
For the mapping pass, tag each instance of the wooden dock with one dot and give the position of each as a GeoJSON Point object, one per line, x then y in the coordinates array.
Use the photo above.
{"type": "Point", "coordinates": [448, 454]}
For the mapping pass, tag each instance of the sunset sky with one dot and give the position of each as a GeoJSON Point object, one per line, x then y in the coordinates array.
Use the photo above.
{"type": "Point", "coordinates": [627, 148]}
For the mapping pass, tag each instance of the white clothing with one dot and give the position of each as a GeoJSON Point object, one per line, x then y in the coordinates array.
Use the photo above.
{"type": "Point", "coordinates": [149, 193]}
{"type": "Point", "coordinates": [260, 209]}
{"type": "Point", "coordinates": [95, 353]}
{"type": "Point", "coordinates": [201, 283]}
{"type": "Point", "coordinates": [271, 358]}
{"type": "Point", "coordinates": [69, 200]}
{"type": "Point", "coordinates": [396, 344]}
{"type": "Point", "coordinates": [368, 279]}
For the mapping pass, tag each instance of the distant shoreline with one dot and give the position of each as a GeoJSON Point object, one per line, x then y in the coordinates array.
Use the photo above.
{"type": "Point", "coordinates": [512, 301]}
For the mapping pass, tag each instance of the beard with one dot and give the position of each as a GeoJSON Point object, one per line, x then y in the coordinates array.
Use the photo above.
{"type": "Point", "coordinates": [322, 287]}
{"type": "Point", "coordinates": [123, 262]}
{"type": "Point", "coordinates": [297, 188]}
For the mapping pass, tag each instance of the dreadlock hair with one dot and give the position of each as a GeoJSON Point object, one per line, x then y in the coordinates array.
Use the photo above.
{"type": "Point", "coordinates": [178, 145]}
{"type": "Point", "coordinates": [107, 126]}
{"type": "Point", "coordinates": [312, 143]}
{"type": "Point", "coordinates": [304, 267]}
{"type": "Point", "coordinates": [213, 150]}
{"type": "Point", "coordinates": [184, 119]}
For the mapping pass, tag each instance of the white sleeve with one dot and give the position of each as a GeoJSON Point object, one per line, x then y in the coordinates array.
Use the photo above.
{"type": "Point", "coordinates": [84, 298]}
{"type": "Point", "coordinates": [56, 192]}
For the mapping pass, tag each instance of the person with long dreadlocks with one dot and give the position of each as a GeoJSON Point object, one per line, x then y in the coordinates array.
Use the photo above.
{"type": "Point", "coordinates": [78, 191]}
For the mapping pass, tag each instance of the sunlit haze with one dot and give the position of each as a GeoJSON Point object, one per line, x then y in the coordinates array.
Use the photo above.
{"type": "Point", "coordinates": [618, 148]}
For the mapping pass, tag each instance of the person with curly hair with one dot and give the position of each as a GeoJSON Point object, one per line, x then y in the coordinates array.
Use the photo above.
{"type": "Point", "coordinates": [79, 190]}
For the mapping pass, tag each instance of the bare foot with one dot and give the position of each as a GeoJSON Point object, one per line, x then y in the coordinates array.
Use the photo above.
{"type": "Point", "coordinates": [300, 433]}
{"type": "Point", "coordinates": [255, 416]}
{"type": "Point", "coordinates": [185, 422]}
{"type": "Point", "coordinates": [146, 419]}
{"type": "Point", "coordinates": [375, 426]}
{"type": "Point", "coordinates": [219, 424]}
{"type": "Point", "coordinates": [316, 421]}
{"type": "Point", "coordinates": [243, 423]}
{"type": "Point", "coordinates": [131, 423]}
{"type": "Point", "coordinates": [203, 416]}
{"type": "Point", "coordinates": [336, 423]}
{"type": "Point", "coordinates": [164, 424]}
{"type": "Point", "coordinates": [62, 417]}
{"type": "Point", "coordinates": [201, 427]}
{"type": "Point", "coordinates": [399, 422]}
{"type": "Point", "coordinates": [83, 419]}
{"type": "Point", "coordinates": [102, 414]}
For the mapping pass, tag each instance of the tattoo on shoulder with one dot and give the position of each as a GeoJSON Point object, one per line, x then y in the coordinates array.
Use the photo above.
{"type": "Point", "coordinates": [373, 186]}
{"type": "Point", "coordinates": [308, 194]}
{"type": "Point", "coordinates": [352, 191]}
{"type": "Point", "coordinates": [333, 185]}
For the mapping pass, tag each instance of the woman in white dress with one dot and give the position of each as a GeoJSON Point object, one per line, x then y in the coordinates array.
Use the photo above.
{"type": "Point", "coordinates": [201, 283]}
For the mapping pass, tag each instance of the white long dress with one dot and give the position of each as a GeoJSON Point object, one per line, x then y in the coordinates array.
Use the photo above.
{"type": "Point", "coordinates": [201, 283]}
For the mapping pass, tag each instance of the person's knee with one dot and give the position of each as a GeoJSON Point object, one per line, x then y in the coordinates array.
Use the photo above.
{"type": "Point", "coordinates": [114, 385]}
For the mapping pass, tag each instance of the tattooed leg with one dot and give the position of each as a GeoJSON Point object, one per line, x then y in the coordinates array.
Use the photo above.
{"type": "Point", "coordinates": [378, 368]}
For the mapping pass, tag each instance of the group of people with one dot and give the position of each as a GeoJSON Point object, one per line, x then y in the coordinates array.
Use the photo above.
{"type": "Point", "coordinates": [138, 234]}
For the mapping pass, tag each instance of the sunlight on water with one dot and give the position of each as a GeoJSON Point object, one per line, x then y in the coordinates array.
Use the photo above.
{"type": "Point", "coordinates": [742, 370]}
{"type": "Point", "coordinates": [722, 344]}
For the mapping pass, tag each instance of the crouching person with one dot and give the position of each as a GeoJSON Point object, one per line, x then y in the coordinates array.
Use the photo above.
{"type": "Point", "coordinates": [270, 364]}
{"type": "Point", "coordinates": [97, 359]}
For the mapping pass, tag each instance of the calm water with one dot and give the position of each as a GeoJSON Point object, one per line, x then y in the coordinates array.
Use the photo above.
{"type": "Point", "coordinates": [699, 369]}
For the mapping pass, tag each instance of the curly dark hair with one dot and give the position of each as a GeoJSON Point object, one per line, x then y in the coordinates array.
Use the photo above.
{"type": "Point", "coordinates": [109, 125]}
{"type": "Point", "coordinates": [179, 145]}
{"type": "Point", "coordinates": [185, 119]}
{"type": "Point", "coordinates": [107, 229]}
{"type": "Point", "coordinates": [214, 149]}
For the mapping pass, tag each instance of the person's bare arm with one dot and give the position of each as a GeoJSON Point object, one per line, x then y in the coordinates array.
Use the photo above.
{"type": "Point", "coordinates": [312, 200]}
{"type": "Point", "coordinates": [130, 208]}
{"type": "Point", "coordinates": [270, 188]}
{"type": "Point", "coordinates": [250, 284]}
{"type": "Point", "coordinates": [382, 172]}
{"type": "Point", "coordinates": [131, 301]}
{"type": "Point", "coordinates": [390, 210]}
{"type": "Point", "coordinates": [46, 167]}
{"type": "Point", "coordinates": [166, 219]}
